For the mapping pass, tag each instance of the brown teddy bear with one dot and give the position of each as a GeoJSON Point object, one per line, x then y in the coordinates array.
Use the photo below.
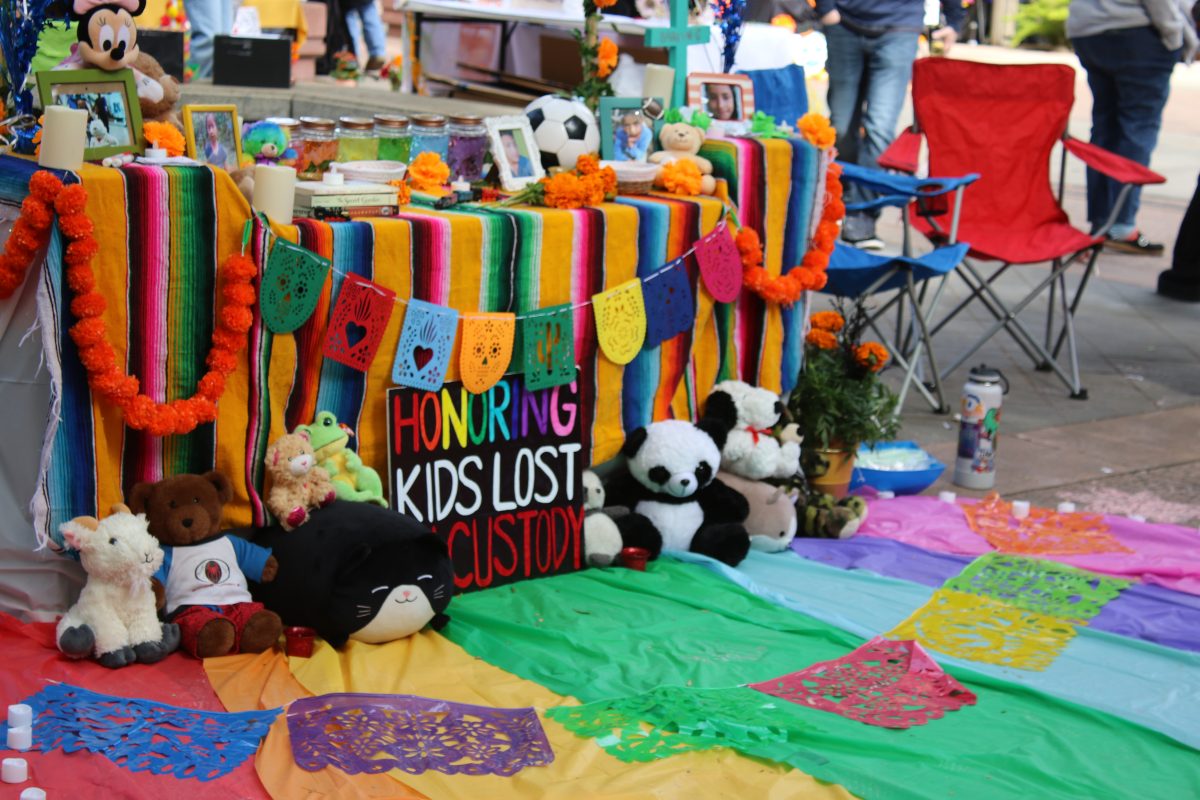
{"type": "Point", "coordinates": [681, 140]}
{"type": "Point", "coordinates": [158, 103]}
{"type": "Point", "coordinates": [203, 573]}
{"type": "Point", "coordinates": [297, 483]}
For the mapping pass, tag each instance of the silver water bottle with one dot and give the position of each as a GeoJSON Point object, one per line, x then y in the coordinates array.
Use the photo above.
{"type": "Point", "coordinates": [982, 396]}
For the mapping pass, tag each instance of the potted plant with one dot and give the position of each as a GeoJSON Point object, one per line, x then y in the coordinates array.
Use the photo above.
{"type": "Point", "coordinates": [840, 401]}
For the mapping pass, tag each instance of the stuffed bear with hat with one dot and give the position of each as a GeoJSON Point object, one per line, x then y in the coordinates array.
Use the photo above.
{"type": "Point", "coordinates": [204, 572]}
{"type": "Point", "coordinates": [672, 481]}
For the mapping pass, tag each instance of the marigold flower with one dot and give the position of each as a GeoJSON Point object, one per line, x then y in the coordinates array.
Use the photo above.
{"type": "Point", "coordinates": [604, 3]}
{"type": "Point", "coordinates": [820, 339]}
{"type": "Point", "coordinates": [164, 135]}
{"type": "Point", "coordinates": [564, 190]}
{"type": "Point", "coordinates": [606, 58]}
{"type": "Point", "coordinates": [681, 176]}
{"type": "Point", "coordinates": [871, 355]}
{"type": "Point", "coordinates": [830, 321]}
{"type": "Point", "coordinates": [428, 171]}
{"type": "Point", "coordinates": [587, 164]}
{"type": "Point", "coordinates": [750, 247]}
{"type": "Point", "coordinates": [816, 130]}
{"type": "Point", "coordinates": [403, 193]}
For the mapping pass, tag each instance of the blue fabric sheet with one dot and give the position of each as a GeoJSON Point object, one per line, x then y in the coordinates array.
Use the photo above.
{"type": "Point", "coordinates": [781, 92]}
{"type": "Point", "coordinates": [1142, 682]}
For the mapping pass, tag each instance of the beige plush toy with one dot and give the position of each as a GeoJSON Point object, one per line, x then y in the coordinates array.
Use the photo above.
{"type": "Point", "coordinates": [297, 483]}
{"type": "Point", "coordinates": [679, 140]}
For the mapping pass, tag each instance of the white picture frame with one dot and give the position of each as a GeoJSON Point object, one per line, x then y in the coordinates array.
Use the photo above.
{"type": "Point", "coordinates": [514, 135]}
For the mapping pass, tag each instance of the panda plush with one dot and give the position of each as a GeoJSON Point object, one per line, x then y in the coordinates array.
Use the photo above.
{"type": "Point", "coordinates": [673, 466]}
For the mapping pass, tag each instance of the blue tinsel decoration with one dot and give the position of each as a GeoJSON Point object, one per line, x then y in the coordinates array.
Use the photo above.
{"type": "Point", "coordinates": [730, 17]}
{"type": "Point", "coordinates": [21, 22]}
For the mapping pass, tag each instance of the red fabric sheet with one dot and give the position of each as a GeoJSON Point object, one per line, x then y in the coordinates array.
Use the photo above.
{"type": "Point", "coordinates": [1002, 122]}
{"type": "Point", "coordinates": [31, 659]}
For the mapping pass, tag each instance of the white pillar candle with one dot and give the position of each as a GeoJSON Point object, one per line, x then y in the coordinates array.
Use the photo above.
{"type": "Point", "coordinates": [20, 716]}
{"type": "Point", "coordinates": [20, 738]}
{"type": "Point", "coordinates": [275, 192]}
{"type": "Point", "coordinates": [33, 793]}
{"type": "Point", "coordinates": [659, 82]}
{"type": "Point", "coordinates": [886, 494]}
{"type": "Point", "coordinates": [64, 135]}
{"type": "Point", "coordinates": [1137, 518]}
{"type": "Point", "coordinates": [1020, 509]}
{"type": "Point", "coordinates": [947, 497]}
{"type": "Point", "coordinates": [1066, 507]}
{"type": "Point", "coordinates": [14, 770]}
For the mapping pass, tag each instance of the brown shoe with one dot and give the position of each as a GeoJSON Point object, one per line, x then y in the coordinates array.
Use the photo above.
{"type": "Point", "coordinates": [375, 63]}
{"type": "Point", "coordinates": [1137, 245]}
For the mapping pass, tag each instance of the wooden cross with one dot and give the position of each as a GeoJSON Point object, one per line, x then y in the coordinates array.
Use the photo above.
{"type": "Point", "coordinates": [675, 38]}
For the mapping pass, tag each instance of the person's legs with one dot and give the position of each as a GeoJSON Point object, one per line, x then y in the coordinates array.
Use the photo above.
{"type": "Point", "coordinates": [208, 18]}
{"type": "Point", "coordinates": [375, 34]}
{"type": "Point", "coordinates": [1094, 55]}
{"type": "Point", "coordinates": [846, 65]}
{"type": "Point", "coordinates": [1182, 280]}
{"type": "Point", "coordinates": [354, 24]}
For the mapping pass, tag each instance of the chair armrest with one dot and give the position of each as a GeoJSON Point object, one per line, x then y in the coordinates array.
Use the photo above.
{"type": "Point", "coordinates": [904, 154]}
{"type": "Point", "coordinates": [1109, 163]}
{"type": "Point", "coordinates": [901, 188]}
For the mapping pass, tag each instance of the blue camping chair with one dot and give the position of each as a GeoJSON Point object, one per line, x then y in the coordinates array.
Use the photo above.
{"type": "Point", "coordinates": [858, 275]}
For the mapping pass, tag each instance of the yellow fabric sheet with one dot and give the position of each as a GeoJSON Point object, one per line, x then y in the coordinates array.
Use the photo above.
{"type": "Point", "coordinates": [429, 665]}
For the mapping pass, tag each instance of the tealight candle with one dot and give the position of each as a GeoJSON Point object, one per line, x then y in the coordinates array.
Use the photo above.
{"type": "Point", "coordinates": [33, 793]}
{"type": "Point", "coordinates": [64, 134]}
{"type": "Point", "coordinates": [20, 738]}
{"type": "Point", "coordinates": [1066, 507]}
{"type": "Point", "coordinates": [14, 770]}
{"type": "Point", "coordinates": [886, 494]}
{"type": "Point", "coordinates": [1020, 509]}
{"type": "Point", "coordinates": [333, 179]}
{"type": "Point", "coordinates": [20, 716]}
{"type": "Point", "coordinates": [947, 497]}
{"type": "Point", "coordinates": [1137, 518]}
{"type": "Point", "coordinates": [155, 154]}
{"type": "Point", "coordinates": [275, 192]}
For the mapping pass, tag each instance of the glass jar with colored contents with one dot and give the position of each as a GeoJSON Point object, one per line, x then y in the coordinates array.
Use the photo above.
{"type": "Point", "coordinates": [316, 147]}
{"type": "Point", "coordinates": [468, 144]}
{"type": "Point", "coordinates": [356, 139]}
{"type": "Point", "coordinates": [395, 140]}
{"type": "Point", "coordinates": [429, 135]}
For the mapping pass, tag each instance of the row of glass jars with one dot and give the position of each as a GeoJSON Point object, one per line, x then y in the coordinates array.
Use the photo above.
{"type": "Point", "coordinates": [461, 142]}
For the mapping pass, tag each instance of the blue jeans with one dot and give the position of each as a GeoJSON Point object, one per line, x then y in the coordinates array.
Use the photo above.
{"type": "Point", "coordinates": [1129, 72]}
{"type": "Point", "coordinates": [208, 18]}
{"type": "Point", "coordinates": [365, 22]}
{"type": "Point", "coordinates": [868, 80]}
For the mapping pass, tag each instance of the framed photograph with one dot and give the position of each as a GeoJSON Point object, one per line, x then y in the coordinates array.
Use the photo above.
{"type": "Point", "coordinates": [628, 126]}
{"type": "Point", "coordinates": [727, 98]}
{"type": "Point", "coordinates": [214, 135]}
{"type": "Point", "coordinates": [110, 98]}
{"type": "Point", "coordinates": [514, 152]}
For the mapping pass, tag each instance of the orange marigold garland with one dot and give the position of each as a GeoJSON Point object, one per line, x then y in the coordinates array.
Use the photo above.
{"type": "Point", "coordinates": [810, 273]}
{"type": "Point", "coordinates": [89, 333]}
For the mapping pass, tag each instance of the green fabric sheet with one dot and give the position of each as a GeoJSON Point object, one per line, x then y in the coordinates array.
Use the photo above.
{"type": "Point", "coordinates": [611, 633]}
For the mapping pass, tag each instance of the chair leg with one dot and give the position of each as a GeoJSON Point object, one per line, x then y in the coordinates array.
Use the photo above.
{"type": "Point", "coordinates": [1077, 391]}
{"type": "Point", "coordinates": [992, 302]}
{"type": "Point", "coordinates": [1083, 282]}
{"type": "Point", "coordinates": [919, 318]}
{"type": "Point", "coordinates": [1050, 317]}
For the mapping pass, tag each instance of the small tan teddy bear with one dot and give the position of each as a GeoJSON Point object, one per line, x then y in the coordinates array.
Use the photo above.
{"type": "Point", "coordinates": [681, 140]}
{"type": "Point", "coordinates": [297, 483]}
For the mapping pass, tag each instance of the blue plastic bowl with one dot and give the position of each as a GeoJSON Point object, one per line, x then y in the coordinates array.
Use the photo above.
{"type": "Point", "coordinates": [900, 482]}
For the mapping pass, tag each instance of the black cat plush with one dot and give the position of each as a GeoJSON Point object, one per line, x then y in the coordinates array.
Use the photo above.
{"type": "Point", "coordinates": [360, 572]}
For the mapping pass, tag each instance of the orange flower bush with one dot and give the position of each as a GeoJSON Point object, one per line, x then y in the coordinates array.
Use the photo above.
{"type": "Point", "coordinates": [164, 135]}
{"type": "Point", "coordinates": [681, 176]}
{"type": "Point", "coordinates": [816, 130]}
{"type": "Point", "coordinates": [428, 171]}
{"type": "Point", "coordinates": [823, 340]}
{"type": "Point", "coordinates": [871, 355]}
{"type": "Point", "coordinates": [830, 321]}
{"type": "Point", "coordinates": [89, 333]}
{"type": "Point", "coordinates": [606, 58]}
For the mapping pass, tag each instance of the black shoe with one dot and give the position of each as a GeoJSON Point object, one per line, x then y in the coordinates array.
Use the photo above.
{"type": "Point", "coordinates": [1137, 245]}
{"type": "Point", "coordinates": [375, 63]}
{"type": "Point", "coordinates": [1178, 285]}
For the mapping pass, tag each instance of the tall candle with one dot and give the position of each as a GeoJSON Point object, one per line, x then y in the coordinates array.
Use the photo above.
{"type": "Point", "coordinates": [64, 134]}
{"type": "Point", "coordinates": [659, 82]}
{"type": "Point", "coordinates": [275, 192]}
{"type": "Point", "coordinates": [20, 738]}
{"type": "Point", "coordinates": [20, 716]}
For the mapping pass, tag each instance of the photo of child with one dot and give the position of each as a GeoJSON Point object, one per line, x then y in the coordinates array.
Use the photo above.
{"type": "Point", "coordinates": [216, 139]}
{"type": "Point", "coordinates": [632, 135]}
{"type": "Point", "coordinates": [723, 101]}
{"type": "Point", "coordinates": [516, 153]}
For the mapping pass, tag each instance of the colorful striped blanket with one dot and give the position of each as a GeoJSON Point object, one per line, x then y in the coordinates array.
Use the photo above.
{"type": "Point", "coordinates": [163, 231]}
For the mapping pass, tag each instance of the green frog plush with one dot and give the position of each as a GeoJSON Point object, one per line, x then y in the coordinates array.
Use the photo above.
{"type": "Point", "coordinates": [352, 480]}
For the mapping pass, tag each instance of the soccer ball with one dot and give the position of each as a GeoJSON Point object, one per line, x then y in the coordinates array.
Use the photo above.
{"type": "Point", "coordinates": [563, 129]}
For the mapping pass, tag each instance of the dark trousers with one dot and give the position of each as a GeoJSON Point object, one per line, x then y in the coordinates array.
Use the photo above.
{"type": "Point", "coordinates": [1182, 280]}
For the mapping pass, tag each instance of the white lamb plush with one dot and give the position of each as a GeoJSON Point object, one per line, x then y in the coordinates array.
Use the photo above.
{"type": "Point", "coordinates": [116, 615]}
{"type": "Point", "coordinates": [751, 449]}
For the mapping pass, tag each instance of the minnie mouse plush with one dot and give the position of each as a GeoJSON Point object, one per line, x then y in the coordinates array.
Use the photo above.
{"type": "Point", "coordinates": [108, 41]}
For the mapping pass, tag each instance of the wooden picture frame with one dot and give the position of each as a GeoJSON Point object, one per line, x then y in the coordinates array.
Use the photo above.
{"type": "Point", "coordinates": [110, 98]}
{"type": "Point", "coordinates": [221, 142]}
{"type": "Point", "coordinates": [514, 134]}
{"type": "Point", "coordinates": [649, 108]}
{"type": "Point", "coordinates": [700, 95]}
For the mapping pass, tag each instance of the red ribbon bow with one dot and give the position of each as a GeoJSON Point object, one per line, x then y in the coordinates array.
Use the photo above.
{"type": "Point", "coordinates": [756, 432]}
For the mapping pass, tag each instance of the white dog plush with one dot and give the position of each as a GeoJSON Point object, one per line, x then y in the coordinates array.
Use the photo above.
{"type": "Point", "coordinates": [751, 449]}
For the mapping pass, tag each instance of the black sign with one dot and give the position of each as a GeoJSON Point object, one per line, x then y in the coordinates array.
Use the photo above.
{"type": "Point", "coordinates": [498, 475]}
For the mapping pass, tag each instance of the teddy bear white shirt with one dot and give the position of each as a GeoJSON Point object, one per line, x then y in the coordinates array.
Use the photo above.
{"type": "Point", "coordinates": [212, 573]}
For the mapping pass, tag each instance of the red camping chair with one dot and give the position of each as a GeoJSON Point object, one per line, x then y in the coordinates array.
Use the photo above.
{"type": "Point", "coordinates": [1003, 122]}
